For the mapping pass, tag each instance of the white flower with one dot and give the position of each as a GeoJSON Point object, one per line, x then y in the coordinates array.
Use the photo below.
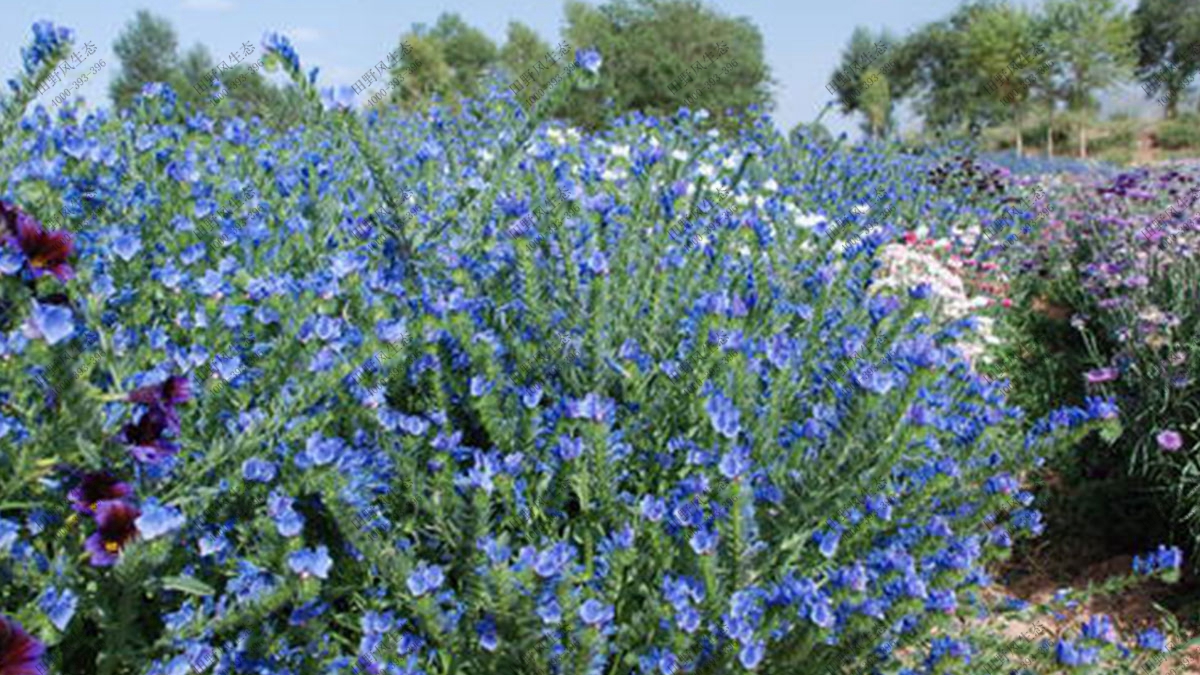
{"type": "Point", "coordinates": [861, 208]}
{"type": "Point", "coordinates": [612, 175]}
{"type": "Point", "coordinates": [731, 162]}
{"type": "Point", "coordinates": [620, 151]}
{"type": "Point", "coordinates": [770, 185]}
{"type": "Point", "coordinates": [679, 155]}
{"type": "Point", "coordinates": [808, 220]}
{"type": "Point", "coordinates": [707, 170]}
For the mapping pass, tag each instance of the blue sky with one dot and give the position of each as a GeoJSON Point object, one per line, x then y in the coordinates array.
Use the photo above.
{"type": "Point", "coordinates": [803, 38]}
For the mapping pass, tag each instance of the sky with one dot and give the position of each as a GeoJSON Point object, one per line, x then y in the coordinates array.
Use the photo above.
{"type": "Point", "coordinates": [803, 38]}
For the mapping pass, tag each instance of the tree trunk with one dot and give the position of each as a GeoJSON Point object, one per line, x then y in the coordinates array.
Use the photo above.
{"type": "Point", "coordinates": [1020, 140]}
{"type": "Point", "coordinates": [1050, 134]}
{"type": "Point", "coordinates": [1082, 140]}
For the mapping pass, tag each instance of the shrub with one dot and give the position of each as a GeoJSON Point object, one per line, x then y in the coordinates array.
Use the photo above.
{"type": "Point", "coordinates": [339, 493]}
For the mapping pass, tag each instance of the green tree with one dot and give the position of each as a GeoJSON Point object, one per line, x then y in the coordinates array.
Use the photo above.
{"type": "Point", "coordinates": [195, 70]}
{"type": "Point", "coordinates": [422, 71]}
{"type": "Point", "coordinates": [1001, 43]}
{"type": "Point", "coordinates": [936, 70]}
{"type": "Point", "coordinates": [848, 82]}
{"type": "Point", "coordinates": [650, 49]}
{"type": "Point", "coordinates": [147, 49]}
{"type": "Point", "coordinates": [875, 101]}
{"type": "Point", "coordinates": [522, 47]}
{"type": "Point", "coordinates": [466, 51]}
{"type": "Point", "coordinates": [1168, 48]}
{"type": "Point", "coordinates": [1093, 40]}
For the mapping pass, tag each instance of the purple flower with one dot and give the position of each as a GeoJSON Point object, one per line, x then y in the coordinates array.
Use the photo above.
{"type": "Point", "coordinates": [170, 392]}
{"type": "Point", "coordinates": [45, 251]}
{"type": "Point", "coordinates": [1169, 441]}
{"type": "Point", "coordinates": [148, 437]}
{"type": "Point", "coordinates": [20, 654]}
{"type": "Point", "coordinates": [594, 613]}
{"type": "Point", "coordinates": [97, 487]}
{"type": "Point", "coordinates": [116, 526]}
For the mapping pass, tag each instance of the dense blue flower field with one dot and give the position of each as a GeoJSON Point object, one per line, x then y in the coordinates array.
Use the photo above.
{"type": "Point", "coordinates": [320, 436]}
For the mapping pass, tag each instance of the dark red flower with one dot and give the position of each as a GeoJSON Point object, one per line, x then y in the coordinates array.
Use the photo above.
{"type": "Point", "coordinates": [150, 435]}
{"type": "Point", "coordinates": [170, 392]}
{"type": "Point", "coordinates": [115, 527]}
{"type": "Point", "coordinates": [45, 251]}
{"type": "Point", "coordinates": [97, 487]}
{"type": "Point", "coordinates": [20, 653]}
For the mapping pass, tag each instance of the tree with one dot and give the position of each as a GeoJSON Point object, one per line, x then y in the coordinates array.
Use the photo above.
{"type": "Point", "coordinates": [466, 51]}
{"type": "Point", "coordinates": [522, 47]}
{"type": "Point", "coordinates": [934, 65]}
{"type": "Point", "coordinates": [1167, 33]}
{"type": "Point", "coordinates": [1094, 42]}
{"type": "Point", "coordinates": [194, 70]}
{"type": "Point", "coordinates": [146, 49]}
{"type": "Point", "coordinates": [1001, 42]}
{"type": "Point", "coordinates": [658, 53]}
{"type": "Point", "coordinates": [422, 71]}
{"type": "Point", "coordinates": [848, 82]}
{"type": "Point", "coordinates": [875, 101]}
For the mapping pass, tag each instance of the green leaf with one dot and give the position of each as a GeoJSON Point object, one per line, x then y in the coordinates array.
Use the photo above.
{"type": "Point", "coordinates": [189, 585]}
{"type": "Point", "coordinates": [1110, 431]}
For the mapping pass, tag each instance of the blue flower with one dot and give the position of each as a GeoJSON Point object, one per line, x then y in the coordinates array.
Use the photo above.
{"type": "Point", "coordinates": [340, 98]}
{"type": "Point", "coordinates": [258, 470]}
{"type": "Point", "coordinates": [723, 415]}
{"type": "Point", "coordinates": [594, 613]}
{"type": "Point", "coordinates": [569, 448]}
{"type": "Point", "coordinates": [55, 323]}
{"type": "Point", "coordinates": [588, 59]}
{"type": "Point", "coordinates": [424, 579]}
{"type": "Point", "coordinates": [8, 534]}
{"type": "Point", "coordinates": [704, 541]}
{"type": "Point", "coordinates": [1152, 639]}
{"type": "Point", "coordinates": [127, 246]}
{"type": "Point", "coordinates": [157, 520]}
{"type": "Point", "coordinates": [58, 606]}
{"type": "Point", "coordinates": [308, 562]}
{"type": "Point", "coordinates": [752, 654]}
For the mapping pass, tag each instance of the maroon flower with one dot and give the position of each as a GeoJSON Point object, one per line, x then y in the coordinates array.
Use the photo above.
{"type": "Point", "coordinates": [170, 392]}
{"type": "Point", "coordinates": [97, 487]}
{"type": "Point", "coordinates": [149, 436]}
{"type": "Point", "coordinates": [20, 654]}
{"type": "Point", "coordinates": [115, 527]}
{"type": "Point", "coordinates": [45, 251]}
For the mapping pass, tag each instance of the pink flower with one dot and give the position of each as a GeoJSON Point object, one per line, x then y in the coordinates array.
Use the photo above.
{"type": "Point", "coordinates": [1169, 441]}
{"type": "Point", "coordinates": [1102, 375]}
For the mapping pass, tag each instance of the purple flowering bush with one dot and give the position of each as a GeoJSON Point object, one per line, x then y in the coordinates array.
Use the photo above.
{"type": "Point", "coordinates": [309, 440]}
{"type": "Point", "coordinates": [1115, 286]}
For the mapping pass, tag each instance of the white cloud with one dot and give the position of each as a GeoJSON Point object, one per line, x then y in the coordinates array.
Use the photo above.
{"type": "Point", "coordinates": [208, 5]}
{"type": "Point", "coordinates": [302, 34]}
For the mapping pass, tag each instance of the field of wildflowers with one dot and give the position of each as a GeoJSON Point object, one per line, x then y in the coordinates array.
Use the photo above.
{"type": "Point", "coordinates": [794, 510]}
